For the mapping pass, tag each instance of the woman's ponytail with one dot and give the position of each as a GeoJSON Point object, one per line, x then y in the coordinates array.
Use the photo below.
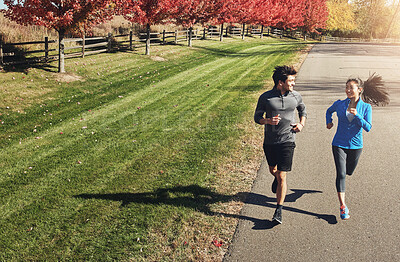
{"type": "Point", "coordinates": [375, 92]}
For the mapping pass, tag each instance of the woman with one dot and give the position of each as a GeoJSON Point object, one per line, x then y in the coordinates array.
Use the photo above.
{"type": "Point", "coordinates": [354, 115]}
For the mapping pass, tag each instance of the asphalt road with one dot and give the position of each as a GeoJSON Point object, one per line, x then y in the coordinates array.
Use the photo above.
{"type": "Point", "coordinates": [312, 229]}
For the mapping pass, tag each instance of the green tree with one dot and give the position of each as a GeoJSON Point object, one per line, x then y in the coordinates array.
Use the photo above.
{"type": "Point", "coordinates": [373, 17]}
{"type": "Point", "coordinates": [341, 16]}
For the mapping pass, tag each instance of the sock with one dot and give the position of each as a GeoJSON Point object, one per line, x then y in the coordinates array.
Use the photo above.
{"type": "Point", "coordinates": [279, 207]}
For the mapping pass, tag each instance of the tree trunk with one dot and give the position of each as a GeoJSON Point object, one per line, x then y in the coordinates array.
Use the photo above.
{"type": "Point", "coordinates": [221, 37]}
{"type": "Point", "coordinates": [147, 39]}
{"type": "Point", "coordinates": [190, 36]}
{"type": "Point", "coordinates": [391, 21]}
{"type": "Point", "coordinates": [244, 25]}
{"type": "Point", "coordinates": [262, 31]}
{"type": "Point", "coordinates": [61, 46]}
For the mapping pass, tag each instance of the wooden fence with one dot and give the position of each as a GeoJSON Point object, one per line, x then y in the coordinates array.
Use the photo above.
{"type": "Point", "coordinates": [14, 53]}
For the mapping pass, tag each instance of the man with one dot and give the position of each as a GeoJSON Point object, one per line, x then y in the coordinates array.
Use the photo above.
{"type": "Point", "coordinates": [279, 106]}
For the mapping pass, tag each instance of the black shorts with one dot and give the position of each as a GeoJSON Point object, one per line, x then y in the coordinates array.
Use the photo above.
{"type": "Point", "coordinates": [280, 155]}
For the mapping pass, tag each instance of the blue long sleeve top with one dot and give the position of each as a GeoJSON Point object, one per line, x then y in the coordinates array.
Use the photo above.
{"type": "Point", "coordinates": [349, 133]}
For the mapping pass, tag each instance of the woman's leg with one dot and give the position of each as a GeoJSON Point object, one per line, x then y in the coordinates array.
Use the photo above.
{"type": "Point", "coordinates": [353, 155]}
{"type": "Point", "coordinates": [339, 156]}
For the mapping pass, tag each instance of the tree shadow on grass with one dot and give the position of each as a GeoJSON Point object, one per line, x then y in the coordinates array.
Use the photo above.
{"type": "Point", "coordinates": [25, 65]}
{"type": "Point", "coordinates": [200, 198]}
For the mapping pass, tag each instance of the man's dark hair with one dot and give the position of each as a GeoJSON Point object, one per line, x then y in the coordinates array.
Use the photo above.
{"type": "Point", "coordinates": [282, 73]}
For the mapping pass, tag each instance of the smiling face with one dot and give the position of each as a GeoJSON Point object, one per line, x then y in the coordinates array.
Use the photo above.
{"type": "Point", "coordinates": [353, 91]}
{"type": "Point", "coordinates": [288, 85]}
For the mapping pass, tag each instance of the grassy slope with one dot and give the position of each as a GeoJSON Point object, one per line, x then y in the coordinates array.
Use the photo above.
{"type": "Point", "coordinates": [124, 165]}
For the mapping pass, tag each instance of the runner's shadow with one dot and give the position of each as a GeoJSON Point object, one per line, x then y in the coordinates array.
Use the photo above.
{"type": "Point", "coordinates": [200, 198]}
{"type": "Point", "coordinates": [261, 200]}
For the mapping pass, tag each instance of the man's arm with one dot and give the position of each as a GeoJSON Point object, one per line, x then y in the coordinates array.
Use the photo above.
{"type": "Point", "coordinates": [260, 110]}
{"type": "Point", "coordinates": [301, 108]}
{"type": "Point", "coordinates": [299, 126]}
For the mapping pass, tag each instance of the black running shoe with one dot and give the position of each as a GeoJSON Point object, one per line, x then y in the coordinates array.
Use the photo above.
{"type": "Point", "coordinates": [274, 186]}
{"type": "Point", "coordinates": [277, 216]}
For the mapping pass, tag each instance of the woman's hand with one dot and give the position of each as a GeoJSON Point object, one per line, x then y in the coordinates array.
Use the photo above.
{"type": "Point", "coordinates": [353, 111]}
{"type": "Point", "coordinates": [329, 125]}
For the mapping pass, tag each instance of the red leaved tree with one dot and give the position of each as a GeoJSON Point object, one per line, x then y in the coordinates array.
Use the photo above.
{"type": "Point", "coordinates": [190, 12]}
{"type": "Point", "coordinates": [314, 16]}
{"type": "Point", "coordinates": [224, 12]}
{"type": "Point", "coordinates": [61, 15]}
{"type": "Point", "coordinates": [292, 16]}
{"type": "Point", "coordinates": [268, 13]}
{"type": "Point", "coordinates": [146, 12]}
{"type": "Point", "coordinates": [244, 12]}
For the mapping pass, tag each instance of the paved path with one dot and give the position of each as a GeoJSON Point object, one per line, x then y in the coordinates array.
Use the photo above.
{"type": "Point", "coordinates": [312, 229]}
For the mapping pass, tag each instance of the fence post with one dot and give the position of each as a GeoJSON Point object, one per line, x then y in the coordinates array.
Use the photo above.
{"type": "Point", "coordinates": [1, 50]}
{"type": "Point", "coordinates": [163, 37]}
{"type": "Point", "coordinates": [83, 45]}
{"type": "Point", "coordinates": [221, 37]}
{"type": "Point", "coordinates": [204, 33]}
{"type": "Point", "coordinates": [176, 36]}
{"type": "Point", "coordinates": [190, 36]}
{"type": "Point", "coordinates": [46, 49]}
{"type": "Point", "coordinates": [130, 40]}
{"type": "Point", "coordinates": [109, 37]}
{"type": "Point", "coordinates": [148, 39]}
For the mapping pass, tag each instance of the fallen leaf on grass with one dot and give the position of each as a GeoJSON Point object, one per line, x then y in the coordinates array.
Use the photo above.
{"type": "Point", "coordinates": [216, 243]}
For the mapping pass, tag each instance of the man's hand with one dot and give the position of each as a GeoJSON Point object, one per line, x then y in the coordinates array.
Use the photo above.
{"type": "Point", "coordinates": [329, 125]}
{"type": "Point", "coordinates": [297, 127]}
{"type": "Point", "coordinates": [273, 121]}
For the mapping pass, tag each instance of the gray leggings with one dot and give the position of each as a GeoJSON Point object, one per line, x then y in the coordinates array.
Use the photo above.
{"type": "Point", "coordinates": [345, 161]}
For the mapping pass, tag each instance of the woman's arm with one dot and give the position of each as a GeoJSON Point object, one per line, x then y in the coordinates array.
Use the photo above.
{"type": "Point", "coordinates": [365, 121]}
{"type": "Point", "coordinates": [329, 113]}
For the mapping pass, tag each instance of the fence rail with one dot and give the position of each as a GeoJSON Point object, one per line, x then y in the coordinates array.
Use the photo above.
{"type": "Point", "coordinates": [363, 40]}
{"type": "Point", "coordinates": [14, 53]}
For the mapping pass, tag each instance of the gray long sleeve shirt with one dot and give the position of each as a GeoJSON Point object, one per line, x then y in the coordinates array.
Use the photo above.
{"type": "Point", "coordinates": [273, 103]}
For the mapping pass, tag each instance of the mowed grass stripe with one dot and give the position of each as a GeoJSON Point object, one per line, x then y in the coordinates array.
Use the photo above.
{"type": "Point", "coordinates": [187, 121]}
{"type": "Point", "coordinates": [151, 127]}
{"type": "Point", "coordinates": [67, 143]}
{"type": "Point", "coordinates": [56, 150]}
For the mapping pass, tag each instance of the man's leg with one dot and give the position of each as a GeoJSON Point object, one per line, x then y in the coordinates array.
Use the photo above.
{"type": "Point", "coordinates": [280, 195]}
{"type": "Point", "coordinates": [273, 170]}
{"type": "Point", "coordinates": [282, 187]}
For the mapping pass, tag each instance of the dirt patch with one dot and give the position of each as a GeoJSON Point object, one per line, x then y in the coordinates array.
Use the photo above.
{"type": "Point", "coordinates": [158, 58]}
{"type": "Point", "coordinates": [67, 77]}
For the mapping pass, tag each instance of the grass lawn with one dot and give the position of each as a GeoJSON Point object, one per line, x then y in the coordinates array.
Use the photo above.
{"type": "Point", "coordinates": [129, 157]}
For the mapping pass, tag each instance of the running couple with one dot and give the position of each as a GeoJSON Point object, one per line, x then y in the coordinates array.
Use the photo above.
{"type": "Point", "coordinates": [276, 111]}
